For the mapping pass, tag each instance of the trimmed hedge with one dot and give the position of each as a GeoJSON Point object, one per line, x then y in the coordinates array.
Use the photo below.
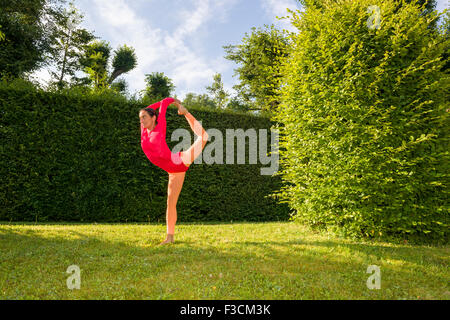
{"type": "Point", "coordinates": [68, 157]}
{"type": "Point", "coordinates": [365, 122]}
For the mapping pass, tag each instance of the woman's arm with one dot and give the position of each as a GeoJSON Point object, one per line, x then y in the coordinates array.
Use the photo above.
{"type": "Point", "coordinates": [164, 104]}
{"type": "Point", "coordinates": [156, 105]}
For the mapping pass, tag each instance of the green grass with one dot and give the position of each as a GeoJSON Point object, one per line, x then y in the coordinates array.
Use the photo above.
{"type": "Point", "coordinates": [277, 260]}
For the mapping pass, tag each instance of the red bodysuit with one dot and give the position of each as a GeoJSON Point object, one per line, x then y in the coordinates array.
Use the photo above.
{"type": "Point", "coordinates": [154, 142]}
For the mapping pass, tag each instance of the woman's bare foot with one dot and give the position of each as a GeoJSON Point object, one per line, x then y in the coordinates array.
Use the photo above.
{"type": "Point", "coordinates": [169, 239]}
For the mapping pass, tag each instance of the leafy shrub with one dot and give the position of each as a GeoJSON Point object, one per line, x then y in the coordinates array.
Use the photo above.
{"type": "Point", "coordinates": [365, 121]}
{"type": "Point", "coordinates": [76, 156]}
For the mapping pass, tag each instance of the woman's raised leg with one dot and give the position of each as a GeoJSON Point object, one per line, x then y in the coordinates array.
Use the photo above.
{"type": "Point", "coordinates": [173, 191]}
{"type": "Point", "coordinates": [194, 150]}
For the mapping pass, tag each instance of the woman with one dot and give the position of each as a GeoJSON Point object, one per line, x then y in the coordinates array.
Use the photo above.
{"type": "Point", "coordinates": [153, 142]}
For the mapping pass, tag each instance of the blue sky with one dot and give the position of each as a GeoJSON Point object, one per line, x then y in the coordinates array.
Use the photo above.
{"type": "Point", "coordinates": [182, 38]}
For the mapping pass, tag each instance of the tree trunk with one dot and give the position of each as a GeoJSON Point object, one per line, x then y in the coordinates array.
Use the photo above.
{"type": "Point", "coordinates": [64, 63]}
{"type": "Point", "coordinates": [115, 74]}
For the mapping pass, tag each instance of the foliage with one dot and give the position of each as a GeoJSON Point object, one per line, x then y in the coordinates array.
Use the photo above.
{"type": "Point", "coordinates": [75, 155]}
{"type": "Point", "coordinates": [29, 26]}
{"type": "Point", "coordinates": [445, 31]}
{"type": "Point", "coordinates": [218, 93]}
{"type": "Point", "coordinates": [95, 61]}
{"type": "Point", "coordinates": [212, 261]}
{"type": "Point", "coordinates": [2, 35]}
{"type": "Point", "coordinates": [120, 86]}
{"type": "Point", "coordinates": [364, 122]}
{"type": "Point", "coordinates": [69, 42]}
{"type": "Point", "coordinates": [237, 104]}
{"type": "Point", "coordinates": [124, 61]}
{"type": "Point", "coordinates": [429, 5]}
{"type": "Point", "coordinates": [199, 101]}
{"type": "Point", "coordinates": [158, 87]}
{"type": "Point", "coordinates": [258, 58]}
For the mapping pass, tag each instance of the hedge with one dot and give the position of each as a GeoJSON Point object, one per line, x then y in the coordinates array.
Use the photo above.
{"type": "Point", "coordinates": [72, 157]}
{"type": "Point", "coordinates": [365, 121]}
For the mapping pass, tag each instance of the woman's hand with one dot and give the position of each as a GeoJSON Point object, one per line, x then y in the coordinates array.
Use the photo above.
{"type": "Point", "coordinates": [181, 110]}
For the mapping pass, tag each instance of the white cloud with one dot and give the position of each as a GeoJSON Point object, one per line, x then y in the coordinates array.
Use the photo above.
{"type": "Point", "coordinates": [441, 5]}
{"type": "Point", "coordinates": [193, 20]}
{"type": "Point", "coordinates": [192, 71]}
{"type": "Point", "coordinates": [125, 26]}
{"type": "Point", "coordinates": [274, 8]}
{"type": "Point", "coordinates": [159, 50]}
{"type": "Point", "coordinates": [42, 76]}
{"type": "Point", "coordinates": [116, 13]}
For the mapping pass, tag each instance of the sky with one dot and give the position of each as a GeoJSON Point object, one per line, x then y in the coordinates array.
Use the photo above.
{"type": "Point", "coordinates": [184, 39]}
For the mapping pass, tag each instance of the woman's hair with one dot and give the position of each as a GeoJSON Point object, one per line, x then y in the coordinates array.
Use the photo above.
{"type": "Point", "coordinates": [151, 112]}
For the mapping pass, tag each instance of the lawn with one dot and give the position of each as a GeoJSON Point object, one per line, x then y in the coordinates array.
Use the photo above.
{"type": "Point", "coordinates": [276, 260]}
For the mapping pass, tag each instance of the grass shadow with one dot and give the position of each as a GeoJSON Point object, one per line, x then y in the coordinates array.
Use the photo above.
{"type": "Point", "coordinates": [34, 263]}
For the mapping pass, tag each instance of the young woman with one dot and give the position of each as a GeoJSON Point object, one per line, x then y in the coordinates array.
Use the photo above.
{"type": "Point", "coordinates": [153, 142]}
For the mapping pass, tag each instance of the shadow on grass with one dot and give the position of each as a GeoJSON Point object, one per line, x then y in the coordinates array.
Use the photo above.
{"type": "Point", "coordinates": [76, 223]}
{"type": "Point", "coordinates": [252, 269]}
{"type": "Point", "coordinates": [439, 255]}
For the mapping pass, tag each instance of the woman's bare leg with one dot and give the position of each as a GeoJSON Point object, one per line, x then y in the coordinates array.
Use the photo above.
{"type": "Point", "coordinates": [173, 191]}
{"type": "Point", "coordinates": [194, 151]}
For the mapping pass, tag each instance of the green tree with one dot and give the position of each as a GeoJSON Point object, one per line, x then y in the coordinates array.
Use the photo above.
{"type": "Point", "coordinates": [69, 43]}
{"type": "Point", "coordinates": [95, 62]}
{"type": "Point", "coordinates": [158, 87]}
{"type": "Point", "coordinates": [199, 101]}
{"type": "Point", "coordinates": [430, 5]}
{"type": "Point", "coordinates": [237, 104]}
{"type": "Point", "coordinates": [29, 25]}
{"type": "Point", "coordinates": [445, 32]}
{"type": "Point", "coordinates": [363, 122]}
{"type": "Point", "coordinates": [124, 61]}
{"type": "Point", "coordinates": [427, 6]}
{"type": "Point", "coordinates": [220, 96]}
{"type": "Point", "coordinates": [120, 86]}
{"type": "Point", "coordinates": [258, 58]}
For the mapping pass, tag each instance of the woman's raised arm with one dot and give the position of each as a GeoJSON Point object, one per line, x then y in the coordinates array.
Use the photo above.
{"type": "Point", "coordinates": [156, 105]}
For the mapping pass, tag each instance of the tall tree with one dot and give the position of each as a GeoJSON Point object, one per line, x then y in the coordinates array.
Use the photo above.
{"type": "Point", "coordinates": [158, 87]}
{"type": "Point", "coordinates": [95, 62]}
{"type": "Point", "coordinates": [238, 104]}
{"type": "Point", "coordinates": [258, 58]}
{"type": "Point", "coordinates": [445, 31]}
{"type": "Point", "coordinates": [29, 26]}
{"type": "Point", "coordinates": [220, 96]}
{"type": "Point", "coordinates": [124, 61]}
{"type": "Point", "coordinates": [69, 42]}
